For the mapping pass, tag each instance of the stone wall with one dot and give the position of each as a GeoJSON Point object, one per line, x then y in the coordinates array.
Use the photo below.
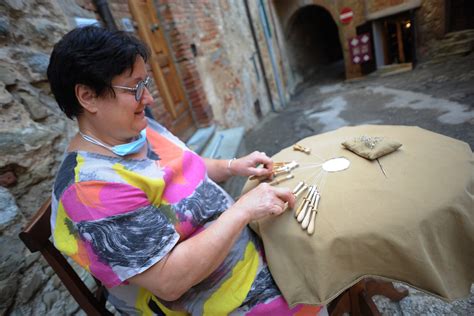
{"type": "Point", "coordinates": [377, 5]}
{"type": "Point", "coordinates": [214, 50]}
{"type": "Point", "coordinates": [276, 78]}
{"type": "Point", "coordinates": [33, 135]}
{"type": "Point", "coordinates": [430, 25]}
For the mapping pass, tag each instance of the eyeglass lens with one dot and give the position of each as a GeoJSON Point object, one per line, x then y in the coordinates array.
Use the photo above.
{"type": "Point", "coordinates": [140, 88]}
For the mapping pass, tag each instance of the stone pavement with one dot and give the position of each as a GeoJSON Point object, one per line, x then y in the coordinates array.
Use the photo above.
{"type": "Point", "coordinates": [435, 96]}
{"type": "Point", "coordinates": [438, 97]}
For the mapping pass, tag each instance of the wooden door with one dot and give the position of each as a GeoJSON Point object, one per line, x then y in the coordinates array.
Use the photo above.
{"type": "Point", "coordinates": [371, 65]}
{"type": "Point", "coordinates": [164, 71]}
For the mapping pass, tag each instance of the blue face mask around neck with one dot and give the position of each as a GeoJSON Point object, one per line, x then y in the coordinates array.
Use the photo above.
{"type": "Point", "coordinates": [122, 149]}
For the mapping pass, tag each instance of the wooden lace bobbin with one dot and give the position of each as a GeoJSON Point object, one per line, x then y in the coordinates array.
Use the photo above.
{"type": "Point", "coordinates": [314, 212]}
{"type": "Point", "coordinates": [300, 187]}
{"type": "Point", "coordinates": [284, 168]}
{"type": "Point", "coordinates": [300, 191]}
{"type": "Point", "coordinates": [303, 149]}
{"type": "Point", "coordinates": [311, 207]}
{"type": "Point", "coordinates": [292, 165]}
{"type": "Point", "coordinates": [299, 213]}
{"type": "Point", "coordinates": [300, 207]}
{"type": "Point", "coordinates": [278, 181]}
{"type": "Point", "coordinates": [280, 163]}
{"type": "Point", "coordinates": [265, 177]}
{"type": "Point", "coordinates": [303, 207]}
{"type": "Point", "coordinates": [281, 171]}
{"type": "Point", "coordinates": [280, 168]}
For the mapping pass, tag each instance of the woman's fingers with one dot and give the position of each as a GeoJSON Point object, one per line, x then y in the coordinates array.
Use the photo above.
{"type": "Point", "coordinates": [260, 171]}
{"type": "Point", "coordinates": [278, 198]}
{"type": "Point", "coordinates": [257, 159]}
{"type": "Point", "coordinates": [266, 161]}
{"type": "Point", "coordinates": [265, 200]}
{"type": "Point", "coordinates": [286, 196]}
{"type": "Point", "coordinates": [255, 164]}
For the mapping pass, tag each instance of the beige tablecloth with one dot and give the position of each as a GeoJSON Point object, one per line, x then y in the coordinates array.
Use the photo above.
{"type": "Point", "coordinates": [414, 225]}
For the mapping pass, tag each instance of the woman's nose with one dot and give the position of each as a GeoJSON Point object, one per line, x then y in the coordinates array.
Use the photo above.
{"type": "Point", "coordinates": [147, 98]}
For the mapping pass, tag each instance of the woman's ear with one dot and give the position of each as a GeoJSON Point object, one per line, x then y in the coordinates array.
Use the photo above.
{"type": "Point", "coordinates": [86, 97]}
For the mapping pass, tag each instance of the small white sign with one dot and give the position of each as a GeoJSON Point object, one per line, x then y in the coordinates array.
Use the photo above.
{"type": "Point", "coordinates": [127, 25]}
{"type": "Point", "coordinates": [80, 22]}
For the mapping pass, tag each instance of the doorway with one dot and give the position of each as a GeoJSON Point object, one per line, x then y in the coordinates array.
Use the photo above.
{"type": "Point", "coordinates": [315, 50]}
{"type": "Point", "coordinates": [459, 15]}
{"type": "Point", "coordinates": [163, 68]}
{"type": "Point", "coordinates": [394, 40]}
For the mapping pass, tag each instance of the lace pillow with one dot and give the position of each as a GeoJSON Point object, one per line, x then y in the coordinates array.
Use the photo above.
{"type": "Point", "coordinates": [371, 147]}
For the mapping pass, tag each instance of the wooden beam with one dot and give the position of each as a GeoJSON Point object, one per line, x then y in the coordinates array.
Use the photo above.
{"type": "Point", "coordinates": [401, 51]}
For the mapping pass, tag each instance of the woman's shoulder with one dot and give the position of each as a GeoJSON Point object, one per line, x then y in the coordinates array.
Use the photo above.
{"type": "Point", "coordinates": [165, 133]}
{"type": "Point", "coordinates": [82, 167]}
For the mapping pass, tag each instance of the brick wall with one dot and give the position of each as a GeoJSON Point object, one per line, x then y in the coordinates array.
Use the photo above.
{"type": "Point", "coordinates": [212, 44]}
{"type": "Point", "coordinates": [212, 47]}
{"type": "Point", "coordinates": [181, 20]}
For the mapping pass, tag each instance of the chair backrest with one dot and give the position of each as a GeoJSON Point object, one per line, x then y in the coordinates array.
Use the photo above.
{"type": "Point", "coordinates": [36, 236]}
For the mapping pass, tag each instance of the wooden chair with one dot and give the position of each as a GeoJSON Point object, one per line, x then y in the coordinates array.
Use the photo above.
{"type": "Point", "coordinates": [357, 300]}
{"type": "Point", "coordinates": [36, 236]}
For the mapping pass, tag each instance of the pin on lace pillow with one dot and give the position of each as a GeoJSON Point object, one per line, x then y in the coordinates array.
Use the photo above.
{"type": "Point", "coordinates": [371, 147]}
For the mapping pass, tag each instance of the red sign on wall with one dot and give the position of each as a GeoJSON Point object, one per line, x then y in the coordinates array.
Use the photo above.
{"type": "Point", "coordinates": [346, 15]}
{"type": "Point", "coordinates": [360, 48]}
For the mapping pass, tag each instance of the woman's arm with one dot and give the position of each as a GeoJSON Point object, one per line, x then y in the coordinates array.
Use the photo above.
{"type": "Point", "coordinates": [192, 260]}
{"type": "Point", "coordinates": [221, 170]}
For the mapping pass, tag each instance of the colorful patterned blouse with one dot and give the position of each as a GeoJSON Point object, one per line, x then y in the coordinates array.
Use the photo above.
{"type": "Point", "coordinates": [116, 217]}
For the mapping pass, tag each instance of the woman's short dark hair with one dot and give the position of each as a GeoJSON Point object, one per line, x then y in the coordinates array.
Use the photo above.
{"type": "Point", "coordinates": [91, 56]}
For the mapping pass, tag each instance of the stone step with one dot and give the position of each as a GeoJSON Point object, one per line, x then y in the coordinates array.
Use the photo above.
{"type": "Point", "coordinates": [224, 144]}
{"type": "Point", "coordinates": [436, 59]}
{"type": "Point", "coordinates": [199, 140]}
{"type": "Point", "coordinates": [227, 144]}
{"type": "Point", "coordinates": [388, 70]}
{"type": "Point", "coordinates": [453, 44]}
{"type": "Point", "coordinates": [461, 45]}
{"type": "Point", "coordinates": [459, 35]}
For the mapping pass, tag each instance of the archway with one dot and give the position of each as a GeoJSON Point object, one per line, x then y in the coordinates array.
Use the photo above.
{"type": "Point", "coordinates": [314, 48]}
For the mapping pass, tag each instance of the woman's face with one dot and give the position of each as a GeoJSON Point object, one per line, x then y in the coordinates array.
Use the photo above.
{"type": "Point", "coordinates": [122, 116]}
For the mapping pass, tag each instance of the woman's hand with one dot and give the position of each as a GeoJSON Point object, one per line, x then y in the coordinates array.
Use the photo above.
{"type": "Point", "coordinates": [264, 200]}
{"type": "Point", "coordinates": [248, 165]}
{"type": "Point", "coordinates": [195, 258]}
{"type": "Point", "coordinates": [257, 163]}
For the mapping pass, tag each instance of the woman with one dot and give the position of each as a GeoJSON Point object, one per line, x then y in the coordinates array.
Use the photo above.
{"type": "Point", "coordinates": [139, 210]}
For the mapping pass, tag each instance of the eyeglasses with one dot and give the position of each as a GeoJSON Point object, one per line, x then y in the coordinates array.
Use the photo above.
{"type": "Point", "coordinates": [139, 88]}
